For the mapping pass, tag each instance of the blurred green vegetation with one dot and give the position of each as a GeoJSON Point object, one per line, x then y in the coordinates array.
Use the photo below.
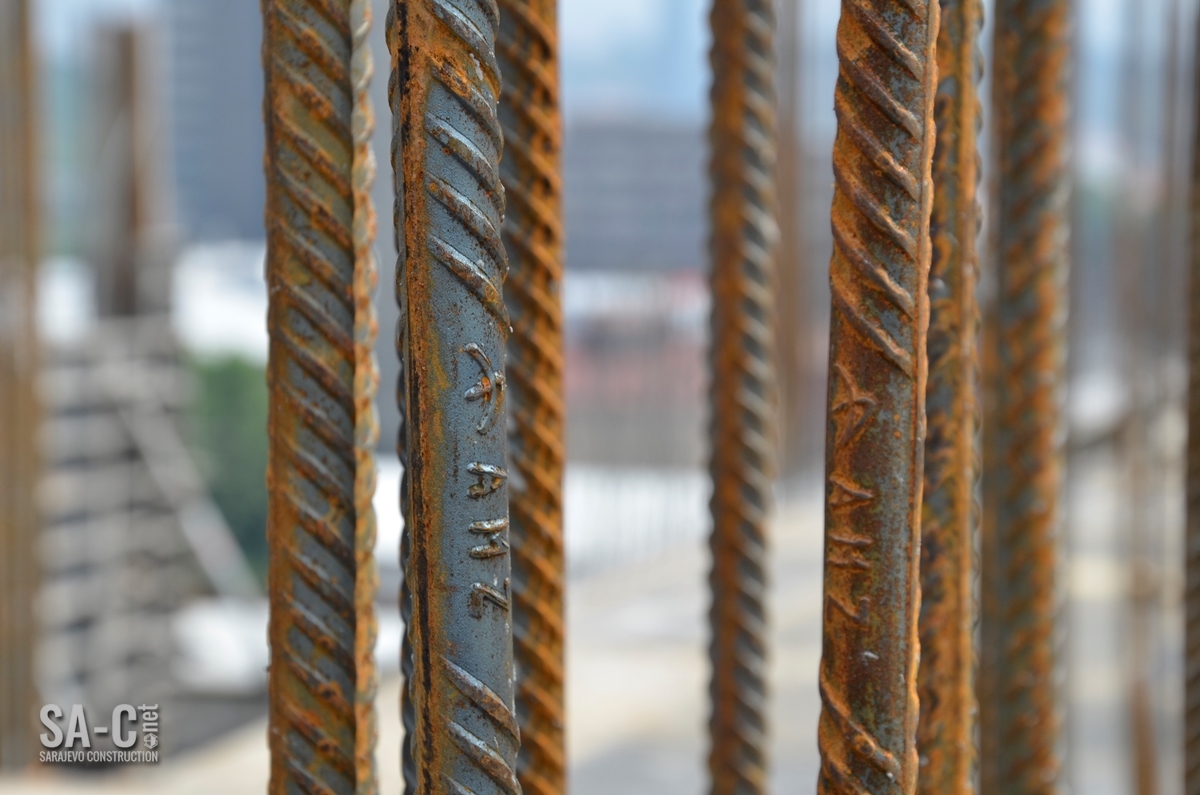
{"type": "Point", "coordinates": [227, 430]}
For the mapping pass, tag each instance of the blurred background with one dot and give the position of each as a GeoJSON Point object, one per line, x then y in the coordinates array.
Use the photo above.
{"type": "Point", "coordinates": [151, 311]}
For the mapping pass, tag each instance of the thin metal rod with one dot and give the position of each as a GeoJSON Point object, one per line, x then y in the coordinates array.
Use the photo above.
{"type": "Point", "coordinates": [1140, 273]}
{"type": "Point", "coordinates": [321, 425]}
{"type": "Point", "coordinates": [742, 398]}
{"type": "Point", "coordinates": [876, 407]}
{"type": "Point", "coordinates": [19, 410]}
{"type": "Point", "coordinates": [1192, 540]}
{"type": "Point", "coordinates": [527, 52]}
{"type": "Point", "coordinates": [1019, 697]}
{"type": "Point", "coordinates": [446, 150]}
{"type": "Point", "coordinates": [792, 323]}
{"type": "Point", "coordinates": [945, 683]}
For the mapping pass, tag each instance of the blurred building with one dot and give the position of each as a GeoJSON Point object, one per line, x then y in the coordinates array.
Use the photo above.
{"type": "Point", "coordinates": [216, 108]}
{"type": "Point", "coordinates": [636, 196]}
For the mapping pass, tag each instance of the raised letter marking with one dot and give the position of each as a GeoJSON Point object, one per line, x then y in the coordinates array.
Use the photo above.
{"type": "Point", "coordinates": [482, 594]}
{"type": "Point", "coordinates": [860, 617]}
{"type": "Point", "coordinates": [490, 385]}
{"type": "Point", "coordinates": [495, 547]}
{"type": "Point", "coordinates": [491, 478]}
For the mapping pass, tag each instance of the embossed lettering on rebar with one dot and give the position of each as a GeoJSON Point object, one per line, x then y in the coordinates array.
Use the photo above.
{"type": "Point", "coordinates": [321, 376]}
{"type": "Point", "coordinates": [527, 53]}
{"type": "Point", "coordinates": [453, 329]}
{"type": "Point", "coordinates": [876, 410]}
{"type": "Point", "coordinates": [742, 401]}
{"type": "Point", "coordinates": [1020, 718]}
{"type": "Point", "coordinates": [945, 684]}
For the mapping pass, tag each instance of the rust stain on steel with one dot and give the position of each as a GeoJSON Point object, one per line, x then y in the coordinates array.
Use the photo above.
{"type": "Point", "coordinates": [527, 52]}
{"type": "Point", "coordinates": [1192, 601]}
{"type": "Point", "coordinates": [945, 681]}
{"type": "Point", "coordinates": [876, 411]}
{"type": "Point", "coordinates": [1019, 700]}
{"type": "Point", "coordinates": [322, 380]}
{"type": "Point", "coordinates": [742, 394]}
{"type": "Point", "coordinates": [454, 325]}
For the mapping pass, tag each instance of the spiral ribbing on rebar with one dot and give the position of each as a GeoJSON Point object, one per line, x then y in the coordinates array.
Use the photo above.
{"type": "Point", "coordinates": [1019, 699]}
{"type": "Point", "coordinates": [1192, 544]}
{"type": "Point", "coordinates": [945, 682]}
{"type": "Point", "coordinates": [742, 394]}
{"type": "Point", "coordinates": [462, 733]}
{"type": "Point", "coordinates": [527, 52]}
{"type": "Point", "coordinates": [321, 379]}
{"type": "Point", "coordinates": [877, 372]}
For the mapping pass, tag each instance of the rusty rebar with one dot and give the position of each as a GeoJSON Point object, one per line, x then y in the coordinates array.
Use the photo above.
{"type": "Point", "coordinates": [876, 406]}
{"type": "Point", "coordinates": [449, 203]}
{"type": "Point", "coordinates": [1019, 695]}
{"type": "Point", "coordinates": [945, 682]}
{"type": "Point", "coordinates": [742, 394]}
{"type": "Point", "coordinates": [321, 425]}
{"type": "Point", "coordinates": [527, 53]}
{"type": "Point", "coordinates": [1192, 483]}
{"type": "Point", "coordinates": [19, 410]}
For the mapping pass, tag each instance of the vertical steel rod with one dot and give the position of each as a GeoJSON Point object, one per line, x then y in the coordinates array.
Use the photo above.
{"type": "Point", "coordinates": [742, 400]}
{"type": "Point", "coordinates": [876, 407]}
{"type": "Point", "coordinates": [792, 323]}
{"type": "Point", "coordinates": [320, 476]}
{"type": "Point", "coordinates": [527, 52]}
{"type": "Point", "coordinates": [19, 415]}
{"type": "Point", "coordinates": [453, 329]}
{"type": "Point", "coordinates": [1019, 698]}
{"type": "Point", "coordinates": [945, 683]}
{"type": "Point", "coordinates": [1192, 540]}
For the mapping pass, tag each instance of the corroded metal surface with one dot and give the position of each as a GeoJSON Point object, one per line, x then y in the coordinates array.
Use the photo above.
{"type": "Point", "coordinates": [321, 424]}
{"type": "Point", "coordinates": [1019, 700]}
{"type": "Point", "coordinates": [876, 410]}
{"type": "Point", "coordinates": [453, 328]}
{"type": "Point", "coordinates": [19, 410]}
{"type": "Point", "coordinates": [742, 395]}
{"type": "Point", "coordinates": [527, 52]}
{"type": "Point", "coordinates": [945, 682]}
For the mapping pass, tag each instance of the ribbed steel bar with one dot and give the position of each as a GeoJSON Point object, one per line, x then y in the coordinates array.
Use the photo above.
{"type": "Point", "coordinates": [1192, 485]}
{"type": "Point", "coordinates": [527, 52]}
{"type": "Point", "coordinates": [1019, 699]}
{"type": "Point", "coordinates": [19, 415]}
{"type": "Point", "coordinates": [876, 411]}
{"type": "Point", "coordinates": [453, 329]}
{"type": "Point", "coordinates": [320, 273]}
{"type": "Point", "coordinates": [742, 394]}
{"type": "Point", "coordinates": [945, 682]}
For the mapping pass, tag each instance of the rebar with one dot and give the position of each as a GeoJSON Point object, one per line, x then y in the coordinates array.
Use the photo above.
{"type": "Point", "coordinates": [945, 682]}
{"type": "Point", "coordinates": [447, 143]}
{"type": "Point", "coordinates": [792, 322]}
{"type": "Point", "coordinates": [19, 410]}
{"type": "Point", "coordinates": [742, 394]}
{"type": "Point", "coordinates": [320, 477]}
{"type": "Point", "coordinates": [1019, 695]}
{"type": "Point", "coordinates": [527, 54]}
{"type": "Point", "coordinates": [882, 201]}
{"type": "Point", "coordinates": [1192, 485]}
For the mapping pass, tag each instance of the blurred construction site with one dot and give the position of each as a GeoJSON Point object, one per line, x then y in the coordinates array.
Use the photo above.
{"type": "Point", "coordinates": [133, 349]}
